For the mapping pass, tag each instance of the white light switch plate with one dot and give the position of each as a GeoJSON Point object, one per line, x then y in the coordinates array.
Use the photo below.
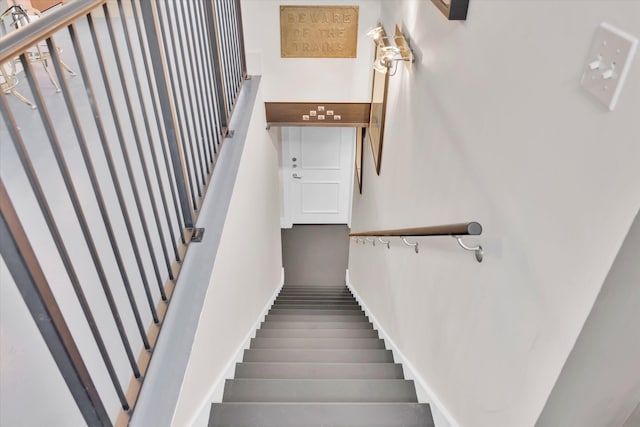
{"type": "Point", "coordinates": [608, 63]}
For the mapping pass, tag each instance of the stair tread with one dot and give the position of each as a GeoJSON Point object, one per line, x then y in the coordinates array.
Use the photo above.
{"type": "Point", "coordinates": [316, 311]}
{"type": "Point", "coordinates": [317, 343]}
{"type": "Point", "coordinates": [316, 333]}
{"type": "Point", "coordinates": [320, 302]}
{"type": "Point", "coordinates": [316, 296]}
{"type": "Point", "coordinates": [326, 285]}
{"type": "Point", "coordinates": [316, 324]}
{"type": "Point", "coordinates": [323, 305]}
{"type": "Point", "coordinates": [318, 355]}
{"type": "Point", "coordinates": [316, 301]}
{"type": "Point", "coordinates": [319, 390]}
{"type": "Point", "coordinates": [317, 291]}
{"type": "Point", "coordinates": [317, 317]}
{"type": "Point", "coordinates": [302, 370]}
{"type": "Point", "coordinates": [321, 415]}
{"type": "Point", "coordinates": [316, 307]}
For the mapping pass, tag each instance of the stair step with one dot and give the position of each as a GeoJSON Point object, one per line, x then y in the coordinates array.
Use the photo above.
{"type": "Point", "coordinates": [319, 370]}
{"type": "Point", "coordinates": [321, 415]}
{"type": "Point", "coordinates": [320, 293]}
{"type": "Point", "coordinates": [315, 302]}
{"type": "Point", "coordinates": [306, 300]}
{"type": "Point", "coordinates": [315, 325]}
{"type": "Point", "coordinates": [268, 390]}
{"type": "Point", "coordinates": [316, 318]}
{"type": "Point", "coordinates": [322, 286]}
{"type": "Point", "coordinates": [320, 343]}
{"type": "Point", "coordinates": [318, 290]}
{"type": "Point", "coordinates": [317, 306]}
{"type": "Point", "coordinates": [315, 294]}
{"type": "Point", "coordinates": [316, 311]}
{"type": "Point", "coordinates": [314, 308]}
{"type": "Point", "coordinates": [315, 355]}
{"type": "Point", "coordinates": [316, 333]}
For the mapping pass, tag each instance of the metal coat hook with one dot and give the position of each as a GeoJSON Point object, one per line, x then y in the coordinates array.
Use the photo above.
{"type": "Point", "coordinates": [415, 245]}
{"type": "Point", "coordinates": [372, 240]}
{"type": "Point", "coordinates": [477, 249]}
{"type": "Point", "coordinates": [385, 242]}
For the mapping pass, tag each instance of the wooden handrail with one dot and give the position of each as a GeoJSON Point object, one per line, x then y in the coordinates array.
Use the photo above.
{"type": "Point", "coordinates": [17, 42]}
{"type": "Point", "coordinates": [466, 228]}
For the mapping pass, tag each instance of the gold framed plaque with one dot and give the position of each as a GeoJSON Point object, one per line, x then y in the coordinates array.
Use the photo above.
{"type": "Point", "coordinates": [360, 135]}
{"type": "Point", "coordinates": [378, 111]}
{"type": "Point", "coordinates": [318, 31]}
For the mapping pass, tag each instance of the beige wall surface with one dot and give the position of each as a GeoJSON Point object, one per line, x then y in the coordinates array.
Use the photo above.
{"type": "Point", "coordinates": [490, 124]}
{"type": "Point", "coordinates": [307, 79]}
{"type": "Point", "coordinates": [600, 382]}
{"type": "Point", "coordinates": [246, 273]}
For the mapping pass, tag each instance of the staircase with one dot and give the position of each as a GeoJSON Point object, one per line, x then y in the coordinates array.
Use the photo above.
{"type": "Point", "coordinates": [317, 361]}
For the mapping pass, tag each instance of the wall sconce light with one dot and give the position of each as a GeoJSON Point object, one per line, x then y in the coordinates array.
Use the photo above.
{"type": "Point", "coordinates": [377, 33]}
{"type": "Point", "coordinates": [454, 10]}
{"type": "Point", "coordinates": [389, 55]}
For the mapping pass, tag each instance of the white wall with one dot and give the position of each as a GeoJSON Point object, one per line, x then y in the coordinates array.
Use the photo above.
{"type": "Point", "coordinates": [246, 273]}
{"type": "Point", "coordinates": [490, 124]}
{"type": "Point", "coordinates": [306, 79]}
{"type": "Point", "coordinates": [600, 382]}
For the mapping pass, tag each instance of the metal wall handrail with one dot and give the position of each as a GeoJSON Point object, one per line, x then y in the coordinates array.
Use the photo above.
{"type": "Point", "coordinates": [455, 230]}
{"type": "Point", "coordinates": [16, 42]}
{"type": "Point", "coordinates": [466, 228]}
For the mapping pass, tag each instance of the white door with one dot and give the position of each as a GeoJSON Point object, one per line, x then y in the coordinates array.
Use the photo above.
{"type": "Point", "coordinates": [317, 174]}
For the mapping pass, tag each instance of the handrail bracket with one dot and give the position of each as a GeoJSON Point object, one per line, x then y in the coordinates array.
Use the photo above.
{"type": "Point", "coordinates": [415, 245]}
{"type": "Point", "coordinates": [385, 242]}
{"type": "Point", "coordinates": [477, 249]}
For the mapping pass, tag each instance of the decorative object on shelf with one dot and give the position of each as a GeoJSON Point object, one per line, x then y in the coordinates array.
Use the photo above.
{"type": "Point", "coordinates": [454, 10]}
{"type": "Point", "coordinates": [390, 55]}
{"type": "Point", "coordinates": [339, 114]}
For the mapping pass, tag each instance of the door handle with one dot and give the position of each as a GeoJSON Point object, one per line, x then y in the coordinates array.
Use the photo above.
{"type": "Point", "coordinates": [296, 176]}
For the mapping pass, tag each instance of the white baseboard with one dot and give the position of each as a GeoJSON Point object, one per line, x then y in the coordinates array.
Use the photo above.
{"type": "Point", "coordinates": [441, 415]}
{"type": "Point", "coordinates": [201, 416]}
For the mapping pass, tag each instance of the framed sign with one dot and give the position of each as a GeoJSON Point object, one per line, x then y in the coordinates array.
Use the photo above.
{"type": "Point", "coordinates": [378, 110]}
{"type": "Point", "coordinates": [318, 31]}
{"type": "Point", "coordinates": [454, 10]}
{"type": "Point", "coordinates": [359, 155]}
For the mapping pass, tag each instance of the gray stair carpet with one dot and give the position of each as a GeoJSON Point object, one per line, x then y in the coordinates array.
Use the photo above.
{"type": "Point", "coordinates": [316, 361]}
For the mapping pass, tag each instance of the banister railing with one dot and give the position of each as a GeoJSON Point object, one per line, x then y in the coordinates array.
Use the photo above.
{"type": "Point", "coordinates": [455, 230]}
{"type": "Point", "coordinates": [112, 117]}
